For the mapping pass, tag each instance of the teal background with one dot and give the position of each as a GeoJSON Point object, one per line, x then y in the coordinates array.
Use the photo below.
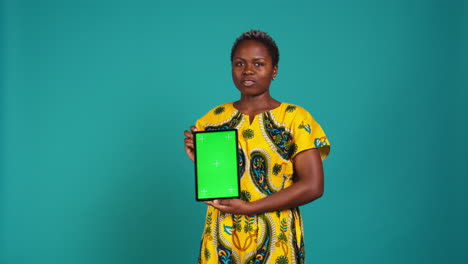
{"type": "Point", "coordinates": [95, 96]}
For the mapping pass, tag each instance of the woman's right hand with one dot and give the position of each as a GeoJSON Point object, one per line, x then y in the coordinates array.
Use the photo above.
{"type": "Point", "coordinates": [188, 141]}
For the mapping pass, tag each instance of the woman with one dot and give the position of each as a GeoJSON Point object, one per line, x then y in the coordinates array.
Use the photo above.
{"type": "Point", "coordinates": [281, 151]}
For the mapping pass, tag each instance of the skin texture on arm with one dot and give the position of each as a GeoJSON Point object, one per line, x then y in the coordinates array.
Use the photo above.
{"type": "Point", "coordinates": [307, 187]}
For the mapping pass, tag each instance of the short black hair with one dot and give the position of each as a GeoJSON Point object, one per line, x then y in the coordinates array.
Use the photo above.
{"type": "Point", "coordinates": [261, 37]}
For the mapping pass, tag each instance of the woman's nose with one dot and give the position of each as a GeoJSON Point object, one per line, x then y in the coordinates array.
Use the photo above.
{"type": "Point", "coordinates": [248, 69]}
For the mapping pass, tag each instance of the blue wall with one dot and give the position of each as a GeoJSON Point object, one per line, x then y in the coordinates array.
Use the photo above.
{"type": "Point", "coordinates": [96, 95]}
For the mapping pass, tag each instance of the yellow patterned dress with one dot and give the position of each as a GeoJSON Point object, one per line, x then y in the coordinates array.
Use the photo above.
{"type": "Point", "coordinates": [266, 149]}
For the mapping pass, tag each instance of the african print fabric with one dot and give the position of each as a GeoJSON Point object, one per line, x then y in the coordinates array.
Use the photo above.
{"type": "Point", "coordinates": [266, 149]}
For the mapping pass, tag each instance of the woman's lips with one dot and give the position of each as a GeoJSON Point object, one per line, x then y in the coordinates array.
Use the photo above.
{"type": "Point", "coordinates": [248, 82]}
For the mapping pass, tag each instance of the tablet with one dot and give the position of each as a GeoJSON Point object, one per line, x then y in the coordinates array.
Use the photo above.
{"type": "Point", "coordinates": [216, 165]}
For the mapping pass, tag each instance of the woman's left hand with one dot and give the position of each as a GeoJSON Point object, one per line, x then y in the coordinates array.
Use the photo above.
{"type": "Point", "coordinates": [232, 206]}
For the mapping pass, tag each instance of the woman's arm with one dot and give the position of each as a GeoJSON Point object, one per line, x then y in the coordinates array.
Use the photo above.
{"type": "Point", "coordinates": [308, 186]}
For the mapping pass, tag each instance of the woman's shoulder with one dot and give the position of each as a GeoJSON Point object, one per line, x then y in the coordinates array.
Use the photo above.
{"type": "Point", "coordinates": [219, 111]}
{"type": "Point", "coordinates": [293, 110]}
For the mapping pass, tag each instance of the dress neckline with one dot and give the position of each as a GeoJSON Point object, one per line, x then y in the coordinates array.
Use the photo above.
{"type": "Point", "coordinates": [251, 119]}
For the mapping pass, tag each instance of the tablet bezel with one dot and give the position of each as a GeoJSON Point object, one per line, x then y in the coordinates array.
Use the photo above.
{"type": "Point", "coordinates": [195, 134]}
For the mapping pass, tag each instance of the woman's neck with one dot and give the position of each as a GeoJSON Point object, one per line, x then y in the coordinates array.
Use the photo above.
{"type": "Point", "coordinates": [254, 105]}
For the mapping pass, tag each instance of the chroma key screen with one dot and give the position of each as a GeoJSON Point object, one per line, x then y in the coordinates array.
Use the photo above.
{"type": "Point", "coordinates": [216, 165]}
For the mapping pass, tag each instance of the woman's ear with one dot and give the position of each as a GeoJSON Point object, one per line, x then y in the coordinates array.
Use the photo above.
{"type": "Point", "coordinates": [275, 72]}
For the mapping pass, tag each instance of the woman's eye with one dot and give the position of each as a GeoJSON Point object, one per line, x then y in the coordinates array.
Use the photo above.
{"type": "Point", "coordinates": [239, 63]}
{"type": "Point", "coordinates": [258, 64]}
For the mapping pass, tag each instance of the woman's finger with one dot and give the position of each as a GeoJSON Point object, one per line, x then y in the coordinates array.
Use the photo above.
{"type": "Point", "coordinates": [188, 134]}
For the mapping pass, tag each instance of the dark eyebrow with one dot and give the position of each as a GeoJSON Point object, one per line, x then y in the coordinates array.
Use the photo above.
{"type": "Point", "coordinates": [258, 58]}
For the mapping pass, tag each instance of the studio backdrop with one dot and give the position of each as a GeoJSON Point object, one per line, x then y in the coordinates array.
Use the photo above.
{"type": "Point", "coordinates": [95, 96]}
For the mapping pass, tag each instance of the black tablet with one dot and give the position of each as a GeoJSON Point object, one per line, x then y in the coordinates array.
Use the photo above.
{"type": "Point", "coordinates": [216, 165]}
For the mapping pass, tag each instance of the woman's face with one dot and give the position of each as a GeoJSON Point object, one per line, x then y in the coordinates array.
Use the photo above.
{"type": "Point", "coordinates": [252, 68]}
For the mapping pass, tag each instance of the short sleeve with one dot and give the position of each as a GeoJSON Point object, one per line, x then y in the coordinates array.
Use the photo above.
{"type": "Point", "coordinates": [199, 125]}
{"type": "Point", "coordinates": [309, 134]}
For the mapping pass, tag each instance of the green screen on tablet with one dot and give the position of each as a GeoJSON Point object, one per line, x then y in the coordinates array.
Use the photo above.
{"type": "Point", "coordinates": [216, 165]}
